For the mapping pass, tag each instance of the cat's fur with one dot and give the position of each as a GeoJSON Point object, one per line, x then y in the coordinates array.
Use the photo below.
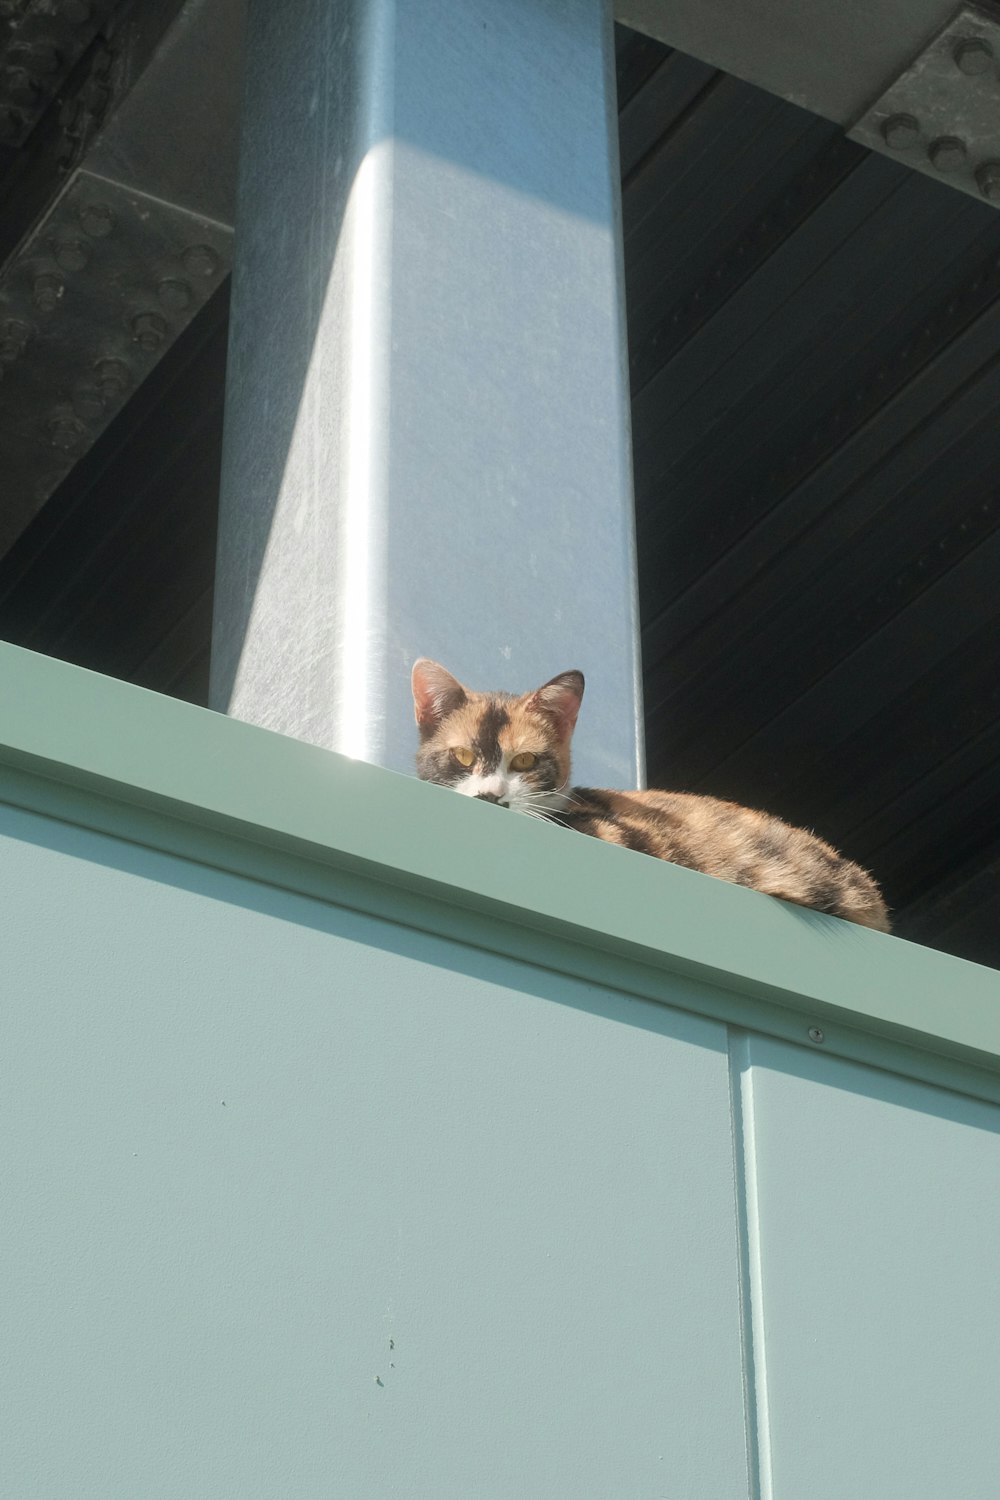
{"type": "Point", "coordinates": [719, 838]}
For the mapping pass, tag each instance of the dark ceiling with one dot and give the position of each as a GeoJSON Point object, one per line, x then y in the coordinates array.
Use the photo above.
{"type": "Point", "coordinates": [815, 353]}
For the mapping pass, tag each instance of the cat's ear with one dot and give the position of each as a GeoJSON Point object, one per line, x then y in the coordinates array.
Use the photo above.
{"type": "Point", "coordinates": [559, 700]}
{"type": "Point", "coordinates": [435, 694]}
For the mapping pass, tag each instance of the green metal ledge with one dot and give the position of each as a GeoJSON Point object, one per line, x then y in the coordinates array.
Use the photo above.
{"type": "Point", "coordinates": [100, 753]}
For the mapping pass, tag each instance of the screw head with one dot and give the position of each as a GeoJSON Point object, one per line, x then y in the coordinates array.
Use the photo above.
{"type": "Point", "coordinates": [200, 260]}
{"type": "Point", "coordinates": [988, 180]}
{"type": "Point", "coordinates": [47, 291]}
{"type": "Point", "coordinates": [148, 330]}
{"type": "Point", "coordinates": [816, 1035]}
{"type": "Point", "coordinates": [947, 153]}
{"type": "Point", "coordinates": [973, 56]}
{"type": "Point", "coordinates": [14, 336]}
{"type": "Point", "coordinates": [900, 132]}
{"type": "Point", "coordinates": [113, 378]}
{"type": "Point", "coordinates": [174, 294]}
{"type": "Point", "coordinates": [97, 220]}
{"type": "Point", "coordinates": [71, 255]}
{"type": "Point", "coordinates": [65, 432]}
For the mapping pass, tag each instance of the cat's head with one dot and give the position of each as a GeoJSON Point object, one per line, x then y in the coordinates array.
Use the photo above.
{"type": "Point", "coordinates": [496, 746]}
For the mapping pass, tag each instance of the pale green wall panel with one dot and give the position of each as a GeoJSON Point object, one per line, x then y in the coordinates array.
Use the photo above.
{"type": "Point", "coordinates": [250, 1138]}
{"type": "Point", "coordinates": [874, 1221]}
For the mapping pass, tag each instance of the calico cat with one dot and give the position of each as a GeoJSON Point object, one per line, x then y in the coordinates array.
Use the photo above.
{"type": "Point", "coordinates": [515, 751]}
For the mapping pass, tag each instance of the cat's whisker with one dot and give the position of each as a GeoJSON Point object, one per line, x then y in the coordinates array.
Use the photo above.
{"type": "Point", "coordinates": [547, 795]}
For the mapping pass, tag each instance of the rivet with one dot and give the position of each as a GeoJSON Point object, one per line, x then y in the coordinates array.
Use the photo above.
{"type": "Point", "coordinates": [71, 255]}
{"type": "Point", "coordinates": [47, 291]}
{"type": "Point", "coordinates": [97, 220]}
{"type": "Point", "coordinates": [174, 294]}
{"type": "Point", "coordinates": [973, 56]}
{"type": "Point", "coordinates": [21, 86]}
{"type": "Point", "coordinates": [200, 260]}
{"type": "Point", "coordinates": [113, 377]}
{"type": "Point", "coordinates": [988, 178]}
{"type": "Point", "coordinates": [148, 330]}
{"type": "Point", "coordinates": [900, 132]}
{"type": "Point", "coordinates": [947, 153]}
{"type": "Point", "coordinates": [88, 402]}
{"type": "Point", "coordinates": [14, 336]}
{"type": "Point", "coordinates": [65, 432]}
{"type": "Point", "coordinates": [816, 1035]}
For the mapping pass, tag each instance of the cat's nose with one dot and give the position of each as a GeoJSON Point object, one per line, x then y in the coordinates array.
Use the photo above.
{"type": "Point", "coordinates": [491, 797]}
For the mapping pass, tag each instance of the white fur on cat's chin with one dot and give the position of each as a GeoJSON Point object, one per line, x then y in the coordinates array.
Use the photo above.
{"type": "Point", "coordinates": [518, 794]}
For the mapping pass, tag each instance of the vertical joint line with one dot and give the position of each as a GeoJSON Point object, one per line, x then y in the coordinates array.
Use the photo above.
{"type": "Point", "coordinates": [756, 1424]}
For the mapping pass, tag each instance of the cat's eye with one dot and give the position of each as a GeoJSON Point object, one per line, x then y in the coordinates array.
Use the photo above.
{"type": "Point", "coordinates": [463, 755]}
{"type": "Point", "coordinates": [524, 761]}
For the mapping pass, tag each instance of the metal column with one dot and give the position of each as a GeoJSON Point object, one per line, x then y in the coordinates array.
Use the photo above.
{"type": "Point", "coordinates": [427, 433]}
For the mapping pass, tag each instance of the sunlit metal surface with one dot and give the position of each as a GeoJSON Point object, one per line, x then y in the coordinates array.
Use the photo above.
{"type": "Point", "coordinates": [427, 446]}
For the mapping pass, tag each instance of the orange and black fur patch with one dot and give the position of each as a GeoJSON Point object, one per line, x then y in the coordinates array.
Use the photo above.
{"type": "Point", "coordinates": [515, 751]}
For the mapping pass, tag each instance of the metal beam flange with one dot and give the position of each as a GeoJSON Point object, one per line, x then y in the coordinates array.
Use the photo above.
{"type": "Point", "coordinates": [99, 291]}
{"type": "Point", "coordinates": [942, 114]}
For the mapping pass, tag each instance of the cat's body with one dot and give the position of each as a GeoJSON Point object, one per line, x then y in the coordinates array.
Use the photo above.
{"type": "Point", "coordinates": [514, 751]}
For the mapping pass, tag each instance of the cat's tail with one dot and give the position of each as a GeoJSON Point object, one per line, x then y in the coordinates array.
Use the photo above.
{"type": "Point", "coordinates": [850, 893]}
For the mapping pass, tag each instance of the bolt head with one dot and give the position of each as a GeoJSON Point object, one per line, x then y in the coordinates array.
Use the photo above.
{"type": "Point", "coordinates": [988, 180]}
{"type": "Point", "coordinates": [174, 294]}
{"type": "Point", "coordinates": [97, 220]}
{"type": "Point", "coordinates": [36, 57]}
{"type": "Point", "coordinates": [973, 56]}
{"type": "Point", "coordinates": [71, 255]}
{"type": "Point", "coordinates": [14, 336]}
{"type": "Point", "coordinates": [948, 153]}
{"type": "Point", "coordinates": [113, 378]}
{"type": "Point", "coordinates": [200, 260]}
{"type": "Point", "coordinates": [900, 132]}
{"type": "Point", "coordinates": [65, 432]}
{"type": "Point", "coordinates": [148, 330]}
{"type": "Point", "coordinates": [88, 402]}
{"type": "Point", "coordinates": [47, 292]}
{"type": "Point", "coordinates": [816, 1035]}
{"type": "Point", "coordinates": [22, 86]}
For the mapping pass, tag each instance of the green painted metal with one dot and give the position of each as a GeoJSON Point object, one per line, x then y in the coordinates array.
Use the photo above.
{"type": "Point", "coordinates": [872, 1231]}
{"type": "Point", "coordinates": [111, 756]}
{"type": "Point", "coordinates": [303, 1203]}
{"type": "Point", "coordinates": [360, 1139]}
